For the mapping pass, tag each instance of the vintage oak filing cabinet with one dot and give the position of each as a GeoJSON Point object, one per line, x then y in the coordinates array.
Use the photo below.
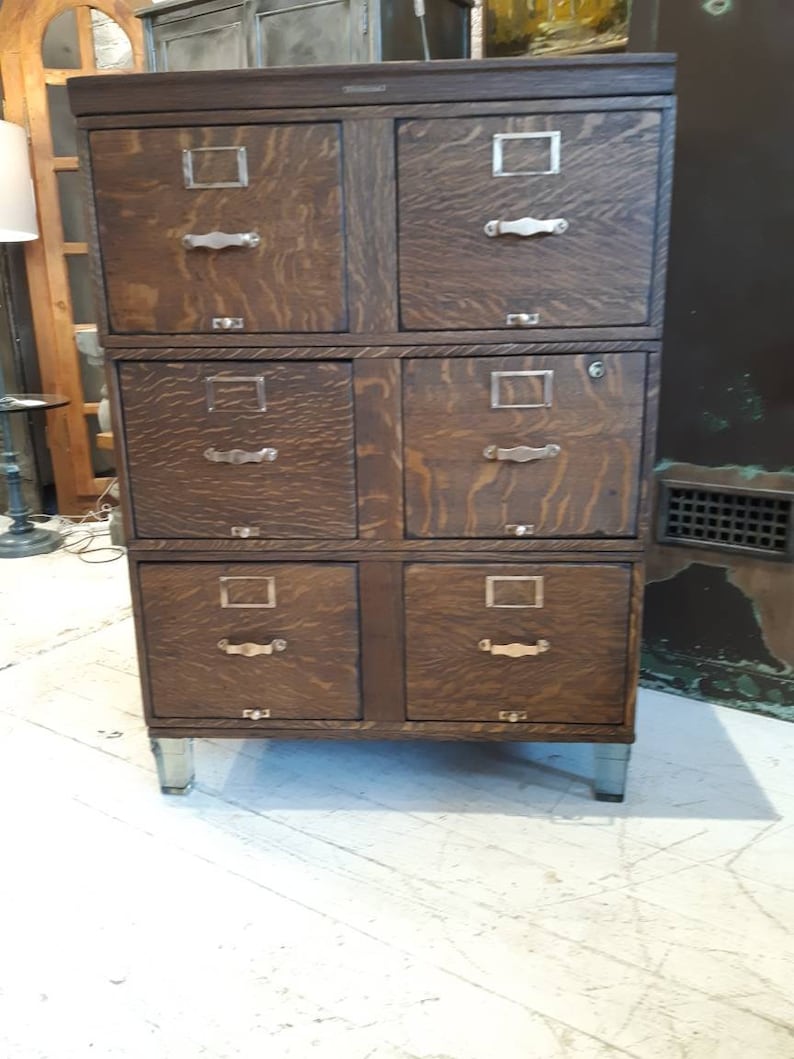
{"type": "Point", "coordinates": [384, 348]}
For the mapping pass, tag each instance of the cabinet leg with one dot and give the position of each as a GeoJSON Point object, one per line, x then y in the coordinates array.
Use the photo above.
{"type": "Point", "coordinates": [611, 765]}
{"type": "Point", "coordinates": [174, 759]}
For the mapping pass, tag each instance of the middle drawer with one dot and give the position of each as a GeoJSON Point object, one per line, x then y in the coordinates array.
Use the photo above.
{"type": "Point", "coordinates": [527, 446]}
{"type": "Point", "coordinates": [241, 449]}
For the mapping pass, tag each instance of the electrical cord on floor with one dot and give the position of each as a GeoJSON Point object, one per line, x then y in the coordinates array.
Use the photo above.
{"type": "Point", "coordinates": [83, 534]}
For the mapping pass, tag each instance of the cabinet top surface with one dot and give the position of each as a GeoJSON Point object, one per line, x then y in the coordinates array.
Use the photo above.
{"type": "Point", "coordinates": [380, 84]}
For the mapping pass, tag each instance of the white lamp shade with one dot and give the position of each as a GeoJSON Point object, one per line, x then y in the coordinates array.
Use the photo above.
{"type": "Point", "coordinates": [17, 201]}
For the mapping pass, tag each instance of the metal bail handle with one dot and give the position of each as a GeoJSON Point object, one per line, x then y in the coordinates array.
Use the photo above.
{"type": "Point", "coordinates": [521, 453]}
{"type": "Point", "coordinates": [252, 650]}
{"type": "Point", "coordinates": [238, 456]}
{"type": "Point", "coordinates": [515, 650]}
{"type": "Point", "coordinates": [527, 226]}
{"type": "Point", "coordinates": [221, 240]}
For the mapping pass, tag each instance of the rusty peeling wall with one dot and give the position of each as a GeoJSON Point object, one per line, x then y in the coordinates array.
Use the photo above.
{"type": "Point", "coordinates": [720, 625]}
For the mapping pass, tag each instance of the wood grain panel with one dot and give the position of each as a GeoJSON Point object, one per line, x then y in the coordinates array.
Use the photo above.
{"type": "Point", "coordinates": [294, 280]}
{"type": "Point", "coordinates": [373, 111]}
{"type": "Point", "coordinates": [437, 550]}
{"type": "Point", "coordinates": [598, 272]}
{"type": "Point", "coordinates": [378, 390]}
{"type": "Point", "coordinates": [634, 645]}
{"type": "Point", "coordinates": [371, 225]}
{"type": "Point", "coordinates": [308, 491]}
{"type": "Point", "coordinates": [652, 387]}
{"type": "Point", "coordinates": [408, 82]}
{"type": "Point", "coordinates": [383, 640]}
{"type": "Point", "coordinates": [315, 612]}
{"type": "Point", "coordinates": [590, 489]}
{"type": "Point", "coordinates": [663, 207]}
{"type": "Point", "coordinates": [325, 347]}
{"type": "Point", "coordinates": [584, 617]}
{"type": "Point", "coordinates": [448, 731]}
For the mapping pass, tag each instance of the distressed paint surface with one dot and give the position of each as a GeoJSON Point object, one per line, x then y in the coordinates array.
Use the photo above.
{"type": "Point", "coordinates": [720, 625]}
{"type": "Point", "coordinates": [716, 649]}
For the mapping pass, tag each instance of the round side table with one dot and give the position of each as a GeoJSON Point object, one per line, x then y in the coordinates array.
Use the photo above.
{"type": "Point", "coordinates": [23, 537]}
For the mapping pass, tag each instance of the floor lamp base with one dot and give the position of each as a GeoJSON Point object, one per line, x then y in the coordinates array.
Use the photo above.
{"type": "Point", "coordinates": [35, 541]}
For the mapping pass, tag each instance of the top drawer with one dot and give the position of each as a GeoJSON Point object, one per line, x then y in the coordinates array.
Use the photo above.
{"type": "Point", "coordinates": [594, 175]}
{"type": "Point", "coordinates": [268, 196]}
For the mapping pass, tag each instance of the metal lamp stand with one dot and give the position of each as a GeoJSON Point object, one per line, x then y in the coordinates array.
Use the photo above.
{"type": "Point", "coordinates": [23, 537]}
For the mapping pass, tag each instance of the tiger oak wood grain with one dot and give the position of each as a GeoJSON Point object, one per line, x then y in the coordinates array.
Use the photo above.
{"type": "Point", "coordinates": [584, 617]}
{"type": "Point", "coordinates": [589, 489]}
{"type": "Point", "coordinates": [374, 112]}
{"type": "Point", "coordinates": [371, 347]}
{"type": "Point", "coordinates": [404, 82]}
{"type": "Point", "coordinates": [316, 613]}
{"type": "Point", "coordinates": [392, 550]}
{"type": "Point", "coordinates": [378, 390]}
{"type": "Point", "coordinates": [652, 387]}
{"type": "Point", "coordinates": [370, 225]}
{"type": "Point", "coordinates": [308, 491]}
{"type": "Point", "coordinates": [597, 272]}
{"type": "Point", "coordinates": [383, 641]}
{"type": "Point", "coordinates": [293, 281]}
{"type": "Point", "coordinates": [458, 731]}
{"type": "Point", "coordinates": [663, 205]}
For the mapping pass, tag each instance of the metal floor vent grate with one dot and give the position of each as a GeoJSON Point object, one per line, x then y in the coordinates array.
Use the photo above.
{"type": "Point", "coordinates": [760, 522]}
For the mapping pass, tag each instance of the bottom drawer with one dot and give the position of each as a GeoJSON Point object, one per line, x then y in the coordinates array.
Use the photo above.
{"type": "Point", "coordinates": [546, 642]}
{"type": "Point", "coordinates": [281, 639]}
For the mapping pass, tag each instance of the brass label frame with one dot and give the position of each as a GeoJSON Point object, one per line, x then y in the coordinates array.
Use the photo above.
{"type": "Point", "coordinates": [490, 593]}
{"type": "Point", "coordinates": [497, 155]}
{"type": "Point", "coordinates": [211, 381]}
{"type": "Point", "coordinates": [197, 185]}
{"type": "Point", "coordinates": [227, 604]}
{"type": "Point", "coordinates": [546, 375]}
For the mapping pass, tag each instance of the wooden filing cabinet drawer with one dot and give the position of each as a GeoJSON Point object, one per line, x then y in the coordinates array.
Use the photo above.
{"type": "Point", "coordinates": [594, 174]}
{"type": "Point", "coordinates": [276, 187]}
{"type": "Point", "coordinates": [252, 640]}
{"type": "Point", "coordinates": [257, 449]}
{"type": "Point", "coordinates": [536, 446]}
{"type": "Point", "coordinates": [517, 642]}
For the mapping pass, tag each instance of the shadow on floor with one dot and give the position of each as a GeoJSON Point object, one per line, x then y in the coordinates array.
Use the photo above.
{"type": "Point", "coordinates": [685, 764]}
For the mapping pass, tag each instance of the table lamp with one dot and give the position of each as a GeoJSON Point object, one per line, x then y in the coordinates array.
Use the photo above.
{"type": "Point", "coordinates": [18, 224]}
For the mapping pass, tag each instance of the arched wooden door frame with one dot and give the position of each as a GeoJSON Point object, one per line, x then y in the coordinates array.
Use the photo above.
{"type": "Point", "coordinates": [23, 24]}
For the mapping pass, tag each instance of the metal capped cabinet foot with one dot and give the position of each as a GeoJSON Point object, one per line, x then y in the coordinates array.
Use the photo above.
{"type": "Point", "coordinates": [174, 760]}
{"type": "Point", "coordinates": [611, 766]}
{"type": "Point", "coordinates": [364, 501]}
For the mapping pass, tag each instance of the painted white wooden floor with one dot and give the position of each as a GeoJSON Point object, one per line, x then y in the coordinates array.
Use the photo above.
{"type": "Point", "coordinates": [373, 901]}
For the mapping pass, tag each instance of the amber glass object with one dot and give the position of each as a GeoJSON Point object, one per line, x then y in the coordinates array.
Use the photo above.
{"type": "Point", "coordinates": [555, 27]}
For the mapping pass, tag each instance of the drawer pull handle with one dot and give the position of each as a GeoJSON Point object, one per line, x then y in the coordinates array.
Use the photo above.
{"type": "Point", "coordinates": [522, 319]}
{"type": "Point", "coordinates": [238, 456]}
{"type": "Point", "coordinates": [256, 715]}
{"type": "Point", "coordinates": [521, 453]}
{"type": "Point", "coordinates": [513, 715]}
{"type": "Point", "coordinates": [221, 240]}
{"type": "Point", "coordinates": [526, 226]}
{"type": "Point", "coordinates": [228, 323]}
{"type": "Point", "coordinates": [515, 650]}
{"type": "Point", "coordinates": [252, 650]}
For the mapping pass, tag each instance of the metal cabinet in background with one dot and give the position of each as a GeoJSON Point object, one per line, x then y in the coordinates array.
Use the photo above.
{"type": "Point", "coordinates": [233, 34]}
